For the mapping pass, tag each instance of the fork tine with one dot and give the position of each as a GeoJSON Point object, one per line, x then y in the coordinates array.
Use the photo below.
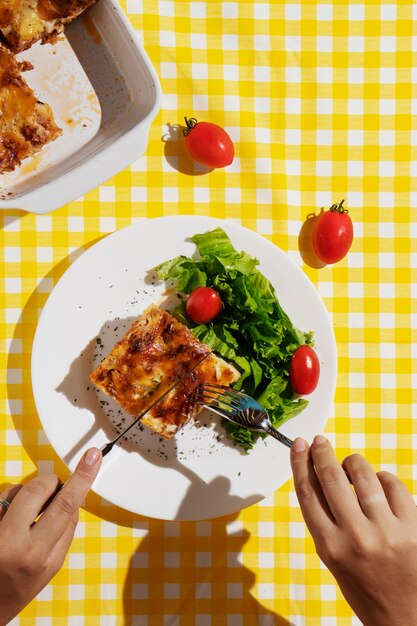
{"type": "Point", "coordinates": [216, 409]}
{"type": "Point", "coordinates": [225, 400]}
{"type": "Point", "coordinates": [210, 401]}
{"type": "Point", "coordinates": [218, 393]}
{"type": "Point", "coordinates": [226, 392]}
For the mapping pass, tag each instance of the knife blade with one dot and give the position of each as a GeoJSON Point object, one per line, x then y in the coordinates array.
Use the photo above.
{"type": "Point", "coordinates": [108, 446]}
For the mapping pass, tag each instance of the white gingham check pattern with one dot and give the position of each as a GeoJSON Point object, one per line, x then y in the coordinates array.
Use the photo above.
{"type": "Point", "coordinates": [320, 100]}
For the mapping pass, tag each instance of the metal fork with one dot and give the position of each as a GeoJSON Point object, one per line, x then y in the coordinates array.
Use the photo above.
{"type": "Point", "coordinates": [239, 408]}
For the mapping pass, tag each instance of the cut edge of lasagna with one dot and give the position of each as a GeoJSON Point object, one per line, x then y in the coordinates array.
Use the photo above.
{"type": "Point", "coordinates": [156, 352]}
{"type": "Point", "coordinates": [26, 124]}
{"type": "Point", "coordinates": [24, 22]}
{"type": "Point", "coordinates": [179, 402]}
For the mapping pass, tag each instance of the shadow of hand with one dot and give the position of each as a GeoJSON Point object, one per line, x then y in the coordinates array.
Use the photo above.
{"type": "Point", "coordinates": [193, 568]}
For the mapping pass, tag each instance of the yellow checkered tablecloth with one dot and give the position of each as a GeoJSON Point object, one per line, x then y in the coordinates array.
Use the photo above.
{"type": "Point", "coordinates": [320, 100]}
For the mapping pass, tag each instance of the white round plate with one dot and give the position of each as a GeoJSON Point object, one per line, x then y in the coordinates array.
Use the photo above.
{"type": "Point", "coordinates": [198, 474]}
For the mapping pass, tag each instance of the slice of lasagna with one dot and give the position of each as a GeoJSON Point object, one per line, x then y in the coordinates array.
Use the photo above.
{"type": "Point", "coordinates": [23, 22]}
{"type": "Point", "coordinates": [26, 124]}
{"type": "Point", "coordinates": [156, 352]}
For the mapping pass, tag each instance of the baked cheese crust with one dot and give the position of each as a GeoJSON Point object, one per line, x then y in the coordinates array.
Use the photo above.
{"type": "Point", "coordinates": [23, 22]}
{"type": "Point", "coordinates": [156, 352]}
{"type": "Point", "coordinates": [26, 124]}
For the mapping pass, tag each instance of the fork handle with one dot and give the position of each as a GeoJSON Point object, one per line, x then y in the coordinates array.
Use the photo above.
{"type": "Point", "coordinates": [277, 435]}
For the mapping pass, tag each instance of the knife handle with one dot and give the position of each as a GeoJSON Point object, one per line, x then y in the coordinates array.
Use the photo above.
{"type": "Point", "coordinates": [49, 500]}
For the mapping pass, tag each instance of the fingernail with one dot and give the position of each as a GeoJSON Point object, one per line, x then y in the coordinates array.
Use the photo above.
{"type": "Point", "coordinates": [319, 439]}
{"type": "Point", "coordinates": [91, 456]}
{"type": "Point", "coordinates": [299, 445]}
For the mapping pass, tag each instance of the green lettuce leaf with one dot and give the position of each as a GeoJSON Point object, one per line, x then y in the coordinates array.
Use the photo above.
{"type": "Point", "coordinates": [252, 331]}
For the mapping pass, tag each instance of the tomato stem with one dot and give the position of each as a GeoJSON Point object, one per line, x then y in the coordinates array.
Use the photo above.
{"type": "Point", "coordinates": [339, 208]}
{"type": "Point", "coordinates": [190, 123]}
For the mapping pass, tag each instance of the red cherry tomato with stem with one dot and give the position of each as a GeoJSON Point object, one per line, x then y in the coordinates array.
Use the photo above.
{"type": "Point", "coordinates": [333, 234]}
{"type": "Point", "coordinates": [304, 370]}
{"type": "Point", "coordinates": [203, 305]}
{"type": "Point", "coordinates": [208, 143]}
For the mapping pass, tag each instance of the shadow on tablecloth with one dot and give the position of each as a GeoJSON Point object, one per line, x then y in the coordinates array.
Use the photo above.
{"type": "Point", "coordinates": [194, 569]}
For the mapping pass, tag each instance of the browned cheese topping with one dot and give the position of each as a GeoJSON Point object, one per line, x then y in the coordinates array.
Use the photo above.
{"type": "Point", "coordinates": [23, 22]}
{"type": "Point", "coordinates": [26, 125]}
{"type": "Point", "coordinates": [156, 352]}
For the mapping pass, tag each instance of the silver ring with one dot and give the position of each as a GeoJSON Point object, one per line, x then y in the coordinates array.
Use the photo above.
{"type": "Point", "coordinates": [4, 503]}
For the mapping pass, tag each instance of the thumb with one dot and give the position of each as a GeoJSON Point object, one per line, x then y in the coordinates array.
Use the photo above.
{"type": "Point", "coordinates": [85, 473]}
{"type": "Point", "coordinates": [66, 503]}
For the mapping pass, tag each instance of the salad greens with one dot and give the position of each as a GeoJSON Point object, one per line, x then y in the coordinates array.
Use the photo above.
{"type": "Point", "coordinates": [252, 331]}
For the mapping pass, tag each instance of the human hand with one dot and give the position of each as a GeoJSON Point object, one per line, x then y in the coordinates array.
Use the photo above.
{"type": "Point", "coordinates": [366, 535]}
{"type": "Point", "coordinates": [32, 553]}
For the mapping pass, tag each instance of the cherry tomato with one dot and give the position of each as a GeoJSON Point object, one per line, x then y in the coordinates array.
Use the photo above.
{"type": "Point", "coordinates": [304, 370]}
{"type": "Point", "coordinates": [333, 234]}
{"type": "Point", "coordinates": [203, 305]}
{"type": "Point", "coordinates": [208, 143]}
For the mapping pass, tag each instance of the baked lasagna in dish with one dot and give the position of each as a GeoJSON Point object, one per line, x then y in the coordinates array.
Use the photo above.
{"type": "Point", "coordinates": [156, 352]}
{"type": "Point", "coordinates": [23, 22]}
{"type": "Point", "coordinates": [26, 124]}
